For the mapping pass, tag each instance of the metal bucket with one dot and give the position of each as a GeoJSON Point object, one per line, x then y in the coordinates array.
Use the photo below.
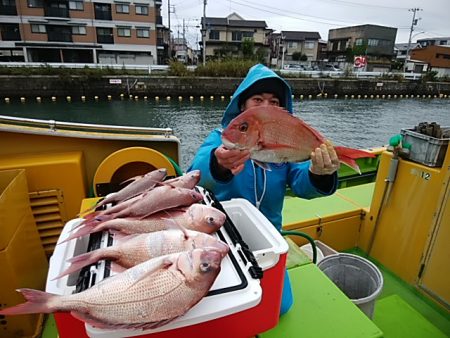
{"type": "Point", "coordinates": [357, 277]}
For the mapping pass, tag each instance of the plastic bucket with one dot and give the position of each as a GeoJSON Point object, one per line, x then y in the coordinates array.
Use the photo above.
{"type": "Point", "coordinates": [307, 249]}
{"type": "Point", "coordinates": [357, 277]}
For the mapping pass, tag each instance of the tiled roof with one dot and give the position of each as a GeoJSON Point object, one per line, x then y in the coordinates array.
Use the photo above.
{"type": "Point", "coordinates": [234, 23]}
{"type": "Point", "coordinates": [300, 36]}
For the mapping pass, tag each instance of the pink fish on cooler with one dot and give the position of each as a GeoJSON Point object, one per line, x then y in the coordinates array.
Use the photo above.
{"type": "Point", "coordinates": [188, 180]}
{"type": "Point", "coordinates": [138, 185]}
{"type": "Point", "coordinates": [198, 217]}
{"type": "Point", "coordinates": [271, 134]}
{"type": "Point", "coordinates": [159, 198]}
{"type": "Point", "coordinates": [145, 296]}
{"type": "Point", "coordinates": [131, 250]}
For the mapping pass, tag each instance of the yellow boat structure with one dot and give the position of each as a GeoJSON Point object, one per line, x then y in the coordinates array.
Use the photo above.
{"type": "Point", "coordinates": [400, 221]}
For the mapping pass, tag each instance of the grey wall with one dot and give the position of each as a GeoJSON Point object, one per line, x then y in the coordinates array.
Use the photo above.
{"type": "Point", "coordinates": [47, 86]}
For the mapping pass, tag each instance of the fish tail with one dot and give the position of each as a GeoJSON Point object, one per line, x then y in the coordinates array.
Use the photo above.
{"type": "Point", "coordinates": [80, 261]}
{"type": "Point", "coordinates": [37, 302]}
{"type": "Point", "coordinates": [91, 216]}
{"type": "Point", "coordinates": [348, 156]}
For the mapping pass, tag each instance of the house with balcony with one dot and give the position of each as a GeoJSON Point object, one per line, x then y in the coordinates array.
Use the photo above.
{"type": "Point", "coordinates": [77, 31]}
{"type": "Point", "coordinates": [374, 41]}
{"type": "Point", "coordinates": [290, 47]}
{"type": "Point", "coordinates": [401, 49]}
{"type": "Point", "coordinates": [225, 36]}
{"type": "Point", "coordinates": [435, 58]}
{"type": "Point", "coordinates": [442, 41]}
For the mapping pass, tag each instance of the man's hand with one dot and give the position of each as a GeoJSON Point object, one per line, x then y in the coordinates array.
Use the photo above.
{"type": "Point", "coordinates": [232, 160]}
{"type": "Point", "coordinates": [324, 160]}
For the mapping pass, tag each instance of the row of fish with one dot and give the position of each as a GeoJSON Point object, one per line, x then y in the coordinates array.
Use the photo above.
{"type": "Point", "coordinates": [163, 253]}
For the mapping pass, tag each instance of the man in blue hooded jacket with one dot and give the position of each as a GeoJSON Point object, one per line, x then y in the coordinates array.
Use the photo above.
{"type": "Point", "coordinates": [232, 174]}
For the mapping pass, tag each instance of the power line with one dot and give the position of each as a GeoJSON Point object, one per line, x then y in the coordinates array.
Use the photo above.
{"type": "Point", "coordinates": [350, 3]}
{"type": "Point", "coordinates": [284, 14]}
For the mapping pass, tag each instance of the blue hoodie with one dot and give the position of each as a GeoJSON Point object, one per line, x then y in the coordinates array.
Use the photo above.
{"type": "Point", "coordinates": [264, 189]}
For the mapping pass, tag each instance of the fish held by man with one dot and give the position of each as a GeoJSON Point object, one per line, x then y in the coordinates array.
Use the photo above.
{"type": "Point", "coordinates": [146, 296]}
{"type": "Point", "coordinates": [272, 135]}
{"type": "Point", "coordinates": [131, 250]}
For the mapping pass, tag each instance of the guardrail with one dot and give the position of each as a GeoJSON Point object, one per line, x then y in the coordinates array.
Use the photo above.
{"type": "Point", "coordinates": [164, 68]}
{"type": "Point", "coordinates": [358, 75]}
{"type": "Point", "coordinates": [60, 125]}
{"type": "Point", "coordinates": [147, 68]}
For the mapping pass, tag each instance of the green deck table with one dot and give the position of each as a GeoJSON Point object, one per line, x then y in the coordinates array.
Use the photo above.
{"type": "Point", "coordinates": [321, 310]}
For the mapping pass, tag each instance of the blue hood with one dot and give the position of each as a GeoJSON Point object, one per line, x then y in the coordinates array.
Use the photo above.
{"type": "Point", "coordinates": [257, 72]}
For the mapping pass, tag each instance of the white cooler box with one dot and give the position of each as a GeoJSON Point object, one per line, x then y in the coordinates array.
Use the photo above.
{"type": "Point", "coordinates": [239, 304]}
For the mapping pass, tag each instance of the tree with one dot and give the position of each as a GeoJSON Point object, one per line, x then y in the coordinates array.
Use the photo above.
{"type": "Point", "coordinates": [296, 56]}
{"type": "Point", "coordinates": [248, 47]}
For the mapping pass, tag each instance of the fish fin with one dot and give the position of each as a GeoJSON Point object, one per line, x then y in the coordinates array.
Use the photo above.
{"type": "Point", "coordinates": [99, 203]}
{"type": "Point", "coordinates": [88, 319]}
{"type": "Point", "coordinates": [164, 263]}
{"type": "Point", "coordinates": [116, 268]}
{"type": "Point", "coordinates": [85, 230]}
{"type": "Point", "coordinates": [154, 325]}
{"type": "Point", "coordinates": [37, 302]}
{"type": "Point", "coordinates": [80, 261]}
{"type": "Point", "coordinates": [131, 179]}
{"type": "Point", "coordinates": [263, 165]}
{"type": "Point", "coordinates": [348, 155]}
{"type": "Point", "coordinates": [178, 225]}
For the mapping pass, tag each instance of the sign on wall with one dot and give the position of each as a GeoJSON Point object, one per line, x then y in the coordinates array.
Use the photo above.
{"type": "Point", "coordinates": [360, 61]}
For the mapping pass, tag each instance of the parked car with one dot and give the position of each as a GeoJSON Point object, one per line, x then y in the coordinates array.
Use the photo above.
{"type": "Point", "coordinates": [331, 68]}
{"type": "Point", "coordinates": [295, 67]}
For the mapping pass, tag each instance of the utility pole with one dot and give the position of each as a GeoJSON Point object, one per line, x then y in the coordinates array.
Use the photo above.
{"type": "Point", "coordinates": [169, 10]}
{"type": "Point", "coordinates": [204, 32]}
{"type": "Point", "coordinates": [184, 36]}
{"type": "Point", "coordinates": [413, 23]}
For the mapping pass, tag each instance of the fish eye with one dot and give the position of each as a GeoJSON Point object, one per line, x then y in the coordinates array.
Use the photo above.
{"type": "Point", "coordinates": [205, 267]}
{"type": "Point", "coordinates": [243, 127]}
{"type": "Point", "coordinates": [210, 220]}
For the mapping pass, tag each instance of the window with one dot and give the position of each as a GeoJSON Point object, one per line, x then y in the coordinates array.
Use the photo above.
{"type": "Point", "coordinates": [76, 5]}
{"type": "Point", "coordinates": [292, 44]}
{"type": "Point", "coordinates": [10, 32]}
{"type": "Point", "coordinates": [79, 30]}
{"type": "Point", "coordinates": [124, 32]}
{"type": "Point", "coordinates": [35, 3]}
{"type": "Point", "coordinates": [309, 44]}
{"type": "Point", "coordinates": [443, 42]}
{"type": "Point", "coordinates": [38, 29]}
{"type": "Point", "coordinates": [102, 11]}
{"type": "Point", "coordinates": [123, 8]}
{"type": "Point", "coordinates": [141, 9]}
{"type": "Point", "coordinates": [236, 36]}
{"type": "Point", "coordinates": [247, 35]}
{"type": "Point", "coordinates": [142, 32]}
{"type": "Point", "coordinates": [214, 35]}
{"type": "Point", "coordinates": [372, 42]}
{"type": "Point", "coordinates": [105, 35]}
{"type": "Point", "coordinates": [359, 42]}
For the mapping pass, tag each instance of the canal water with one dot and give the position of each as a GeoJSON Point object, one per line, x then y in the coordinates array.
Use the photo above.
{"type": "Point", "coordinates": [353, 123]}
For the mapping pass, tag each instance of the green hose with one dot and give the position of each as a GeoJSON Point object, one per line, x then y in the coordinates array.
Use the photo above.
{"type": "Point", "coordinates": [177, 168]}
{"type": "Point", "coordinates": [309, 238]}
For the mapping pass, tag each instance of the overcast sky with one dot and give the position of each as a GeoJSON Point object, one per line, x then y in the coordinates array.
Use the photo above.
{"type": "Point", "coordinates": [316, 15]}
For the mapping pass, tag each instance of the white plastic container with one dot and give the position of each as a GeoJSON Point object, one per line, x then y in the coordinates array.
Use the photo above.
{"type": "Point", "coordinates": [242, 293]}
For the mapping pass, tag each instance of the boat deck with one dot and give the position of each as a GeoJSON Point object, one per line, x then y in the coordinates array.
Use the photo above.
{"type": "Point", "coordinates": [400, 311]}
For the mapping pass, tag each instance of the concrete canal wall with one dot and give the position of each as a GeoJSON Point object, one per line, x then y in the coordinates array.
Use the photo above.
{"type": "Point", "coordinates": [77, 86]}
